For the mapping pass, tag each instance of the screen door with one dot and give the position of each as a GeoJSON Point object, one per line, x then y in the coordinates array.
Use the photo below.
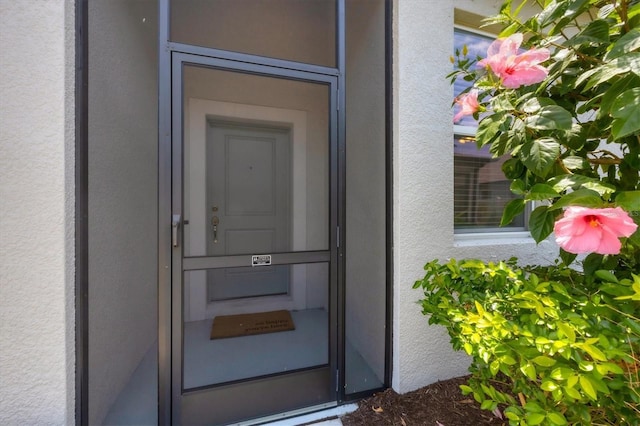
{"type": "Point", "coordinates": [254, 236]}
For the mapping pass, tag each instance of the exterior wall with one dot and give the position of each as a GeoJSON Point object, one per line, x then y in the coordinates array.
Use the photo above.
{"type": "Point", "coordinates": [37, 351]}
{"type": "Point", "coordinates": [365, 183]}
{"type": "Point", "coordinates": [37, 212]}
{"type": "Point", "coordinates": [423, 182]}
{"type": "Point", "coordinates": [123, 206]}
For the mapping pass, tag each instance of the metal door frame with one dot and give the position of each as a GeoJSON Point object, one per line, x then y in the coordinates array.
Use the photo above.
{"type": "Point", "coordinates": [165, 49]}
{"type": "Point", "coordinates": [172, 56]}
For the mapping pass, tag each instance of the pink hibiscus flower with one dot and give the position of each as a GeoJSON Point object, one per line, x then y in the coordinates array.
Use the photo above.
{"type": "Point", "coordinates": [468, 104]}
{"type": "Point", "coordinates": [515, 69]}
{"type": "Point", "coordinates": [585, 230]}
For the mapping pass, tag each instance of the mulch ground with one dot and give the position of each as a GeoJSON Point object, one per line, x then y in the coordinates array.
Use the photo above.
{"type": "Point", "coordinates": [439, 404]}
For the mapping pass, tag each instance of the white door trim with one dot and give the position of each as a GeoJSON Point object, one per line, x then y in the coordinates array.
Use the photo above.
{"type": "Point", "coordinates": [196, 114]}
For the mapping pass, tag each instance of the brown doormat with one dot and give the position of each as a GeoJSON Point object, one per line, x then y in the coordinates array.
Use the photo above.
{"type": "Point", "coordinates": [248, 324]}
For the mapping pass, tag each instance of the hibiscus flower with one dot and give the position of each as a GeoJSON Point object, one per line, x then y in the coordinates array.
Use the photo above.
{"type": "Point", "coordinates": [585, 230]}
{"type": "Point", "coordinates": [468, 104]}
{"type": "Point", "coordinates": [515, 69]}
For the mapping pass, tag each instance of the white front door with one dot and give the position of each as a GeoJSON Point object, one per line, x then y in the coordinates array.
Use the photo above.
{"type": "Point", "coordinates": [248, 206]}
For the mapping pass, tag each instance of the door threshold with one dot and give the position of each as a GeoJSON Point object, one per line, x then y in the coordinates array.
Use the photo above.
{"type": "Point", "coordinates": [303, 416]}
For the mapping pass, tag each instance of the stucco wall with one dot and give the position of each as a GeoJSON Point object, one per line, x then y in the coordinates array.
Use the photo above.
{"type": "Point", "coordinates": [423, 182]}
{"type": "Point", "coordinates": [365, 185]}
{"type": "Point", "coordinates": [36, 212]}
{"type": "Point", "coordinates": [123, 205]}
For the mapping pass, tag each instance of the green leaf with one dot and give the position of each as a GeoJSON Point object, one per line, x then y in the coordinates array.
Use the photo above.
{"type": "Point", "coordinates": [548, 385]}
{"type": "Point", "coordinates": [539, 155]}
{"type": "Point", "coordinates": [581, 197]}
{"type": "Point", "coordinates": [564, 182]}
{"type": "Point", "coordinates": [605, 275]}
{"type": "Point", "coordinates": [625, 44]}
{"type": "Point", "coordinates": [575, 163]}
{"type": "Point", "coordinates": [512, 416]}
{"type": "Point", "coordinates": [601, 188]}
{"type": "Point", "coordinates": [626, 113]}
{"type": "Point", "coordinates": [600, 74]}
{"type": "Point", "coordinates": [512, 168]}
{"type": "Point", "coordinates": [517, 187]}
{"type": "Point", "coordinates": [486, 404]}
{"type": "Point", "coordinates": [606, 10]}
{"type": "Point", "coordinates": [610, 367]}
{"type": "Point", "coordinates": [567, 258]}
{"type": "Point", "coordinates": [544, 361]}
{"type": "Point", "coordinates": [596, 32]}
{"type": "Point", "coordinates": [561, 373]}
{"type": "Point", "coordinates": [556, 418]}
{"type": "Point", "coordinates": [592, 263]}
{"type": "Point", "coordinates": [506, 359]}
{"type": "Point", "coordinates": [488, 129]}
{"type": "Point", "coordinates": [613, 93]}
{"type": "Point", "coordinates": [573, 393]}
{"type": "Point", "coordinates": [468, 348]}
{"type": "Point", "coordinates": [494, 367]}
{"type": "Point", "coordinates": [629, 200]}
{"type": "Point", "coordinates": [511, 210]}
{"type": "Point", "coordinates": [550, 117]}
{"type": "Point", "coordinates": [528, 370]}
{"type": "Point", "coordinates": [588, 388]}
{"type": "Point", "coordinates": [535, 418]}
{"type": "Point", "coordinates": [466, 390]}
{"type": "Point", "coordinates": [595, 353]}
{"type": "Point", "coordinates": [567, 330]}
{"type": "Point", "coordinates": [501, 103]}
{"type": "Point", "coordinates": [541, 223]}
{"type": "Point", "coordinates": [542, 191]}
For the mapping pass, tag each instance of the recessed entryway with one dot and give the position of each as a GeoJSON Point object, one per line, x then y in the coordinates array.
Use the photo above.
{"type": "Point", "coordinates": [226, 178]}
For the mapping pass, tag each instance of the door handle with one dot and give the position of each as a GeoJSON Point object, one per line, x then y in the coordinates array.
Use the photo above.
{"type": "Point", "coordinates": [215, 221]}
{"type": "Point", "coordinates": [175, 224]}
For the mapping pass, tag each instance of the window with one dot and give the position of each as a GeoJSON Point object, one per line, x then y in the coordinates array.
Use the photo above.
{"type": "Point", "coordinates": [480, 189]}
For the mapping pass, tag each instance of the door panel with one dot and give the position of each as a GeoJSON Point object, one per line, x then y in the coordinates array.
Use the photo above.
{"type": "Point", "coordinates": [248, 181]}
{"type": "Point", "coordinates": [248, 193]}
{"type": "Point", "coordinates": [255, 166]}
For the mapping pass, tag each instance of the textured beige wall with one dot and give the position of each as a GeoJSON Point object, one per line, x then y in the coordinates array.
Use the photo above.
{"type": "Point", "coordinates": [36, 212]}
{"type": "Point", "coordinates": [365, 182]}
{"type": "Point", "coordinates": [423, 182]}
{"type": "Point", "coordinates": [123, 181]}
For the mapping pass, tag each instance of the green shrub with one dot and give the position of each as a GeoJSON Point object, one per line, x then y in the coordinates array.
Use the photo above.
{"type": "Point", "coordinates": [559, 93]}
{"type": "Point", "coordinates": [550, 345]}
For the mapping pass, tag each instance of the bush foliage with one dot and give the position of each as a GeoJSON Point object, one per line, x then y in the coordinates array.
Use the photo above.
{"type": "Point", "coordinates": [557, 344]}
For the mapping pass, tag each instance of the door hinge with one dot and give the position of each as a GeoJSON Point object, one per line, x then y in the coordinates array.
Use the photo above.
{"type": "Point", "coordinates": [338, 236]}
{"type": "Point", "coordinates": [337, 380]}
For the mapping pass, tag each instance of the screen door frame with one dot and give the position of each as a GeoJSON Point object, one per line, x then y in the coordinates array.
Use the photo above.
{"type": "Point", "coordinates": [193, 405]}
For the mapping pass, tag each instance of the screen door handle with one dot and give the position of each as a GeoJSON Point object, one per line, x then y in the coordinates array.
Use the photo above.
{"type": "Point", "coordinates": [175, 224]}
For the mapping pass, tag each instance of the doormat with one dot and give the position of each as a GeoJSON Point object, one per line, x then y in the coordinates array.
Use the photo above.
{"type": "Point", "coordinates": [248, 324]}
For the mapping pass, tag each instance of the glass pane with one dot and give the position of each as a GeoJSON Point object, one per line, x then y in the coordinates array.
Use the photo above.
{"type": "Point", "coordinates": [256, 164]}
{"type": "Point", "coordinates": [230, 340]}
{"type": "Point", "coordinates": [480, 188]}
{"type": "Point", "coordinates": [123, 210]}
{"type": "Point", "coordinates": [296, 30]}
{"type": "Point", "coordinates": [365, 196]}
